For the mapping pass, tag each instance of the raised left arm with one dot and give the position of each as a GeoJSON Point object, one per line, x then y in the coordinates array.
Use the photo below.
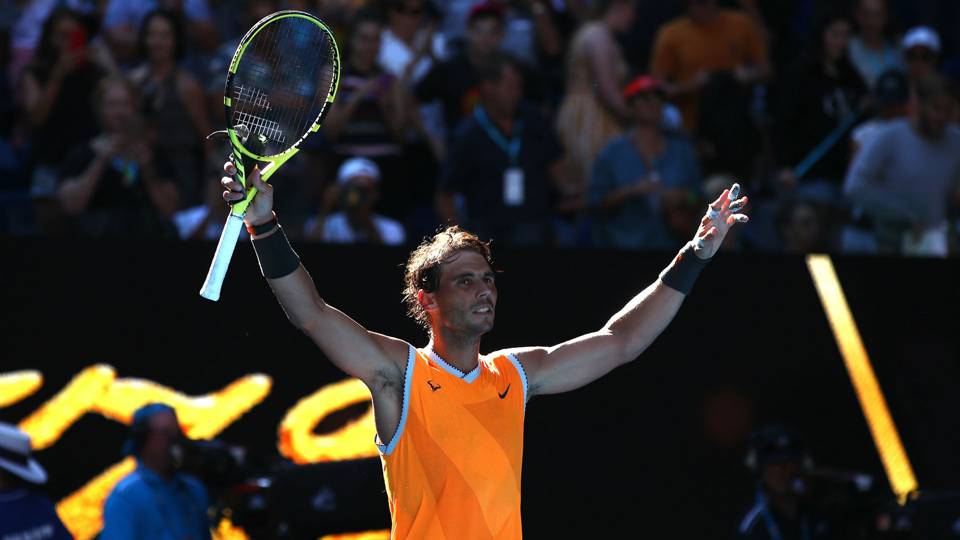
{"type": "Point", "coordinates": [631, 330]}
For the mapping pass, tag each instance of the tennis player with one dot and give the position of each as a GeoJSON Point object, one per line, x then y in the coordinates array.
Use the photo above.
{"type": "Point", "coordinates": [450, 419]}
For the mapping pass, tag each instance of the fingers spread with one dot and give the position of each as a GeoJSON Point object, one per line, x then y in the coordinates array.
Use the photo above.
{"type": "Point", "coordinates": [737, 218]}
{"type": "Point", "coordinates": [738, 204]}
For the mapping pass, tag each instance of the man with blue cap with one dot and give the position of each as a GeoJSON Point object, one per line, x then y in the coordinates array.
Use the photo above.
{"type": "Point", "coordinates": [156, 502]}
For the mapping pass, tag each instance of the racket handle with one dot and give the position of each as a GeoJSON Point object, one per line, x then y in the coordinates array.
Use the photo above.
{"type": "Point", "coordinates": [221, 258]}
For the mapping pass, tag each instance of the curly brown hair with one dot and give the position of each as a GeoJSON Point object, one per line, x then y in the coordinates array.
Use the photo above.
{"type": "Point", "coordinates": [425, 263]}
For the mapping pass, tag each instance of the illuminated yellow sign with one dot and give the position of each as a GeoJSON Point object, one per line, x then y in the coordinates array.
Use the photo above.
{"type": "Point", "coordinates": [874, 405]}
{"type": "Point", "coordinates": [96, 389]}
{"type": "Point", "coordinates": [18, 385]}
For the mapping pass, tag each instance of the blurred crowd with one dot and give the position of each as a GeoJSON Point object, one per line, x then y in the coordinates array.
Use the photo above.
{"type": "Point", "coordinates": [602, 124]}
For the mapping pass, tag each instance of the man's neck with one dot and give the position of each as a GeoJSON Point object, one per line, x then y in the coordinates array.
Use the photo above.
{"type": "Point", "coordinates": [876, 42]}
{"type": "Point", "coordinates": [461, 352]}
{"type": "Point", "coordinates": [503, 121]}
{"type": "Point", "coordinates": [165, 473]}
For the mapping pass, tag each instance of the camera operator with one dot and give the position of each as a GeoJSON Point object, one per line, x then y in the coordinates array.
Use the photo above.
{"type": "Point", "coordinates": [353, 197]}
{"type": "Point", "coordinates": [156, 502]}
{"type": "Point", "coordinates": [781, 511]}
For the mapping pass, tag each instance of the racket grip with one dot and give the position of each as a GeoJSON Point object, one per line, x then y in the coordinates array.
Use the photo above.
{"type": "Point", "coordinates": [221, 258]}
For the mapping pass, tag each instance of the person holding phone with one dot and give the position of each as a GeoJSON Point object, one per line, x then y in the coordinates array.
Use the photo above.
{"type": "Point", "coordinates": [54, 94]}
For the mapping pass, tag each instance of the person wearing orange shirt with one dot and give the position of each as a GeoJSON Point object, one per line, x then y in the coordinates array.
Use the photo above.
{"type": "Point", "coordinates": [705, 41]}
{"type": "Point", "coordinates": [450, 419]}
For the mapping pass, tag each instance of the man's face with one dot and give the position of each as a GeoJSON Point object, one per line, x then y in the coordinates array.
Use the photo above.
{"type": "Point", "coordinates": [921, 61]}
{"type": "Point", "coordinates": [504, 95]}
{"type": "Point", "coordinates": [872, 16]}
{"type": "Point", "coordinates": [466, 297]}
{"type": "Point", "coordinates": [779, 477]}
{"type": "Point", "coordinates": [484, 36]}
{"type": "Point", "coordinates": [934, 115]}
{"type": "Point", "coordinates": [164, 433]}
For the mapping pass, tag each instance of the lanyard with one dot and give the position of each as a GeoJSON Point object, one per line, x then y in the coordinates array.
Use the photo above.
{"type": "Point", "coordinates": [772, 529]}
{"type": "Point", "coordinates": [510, 147]}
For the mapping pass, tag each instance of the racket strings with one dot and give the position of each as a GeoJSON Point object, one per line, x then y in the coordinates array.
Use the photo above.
{"type": "Point", "coordinates": [283, 80]}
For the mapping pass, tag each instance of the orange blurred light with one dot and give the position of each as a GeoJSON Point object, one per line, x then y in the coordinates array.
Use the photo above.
{"type": "Point", "coordinates": [896, 463]}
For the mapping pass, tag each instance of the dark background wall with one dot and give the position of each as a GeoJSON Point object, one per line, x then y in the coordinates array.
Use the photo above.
{"type": "Point", "coordinates": [657, 445]}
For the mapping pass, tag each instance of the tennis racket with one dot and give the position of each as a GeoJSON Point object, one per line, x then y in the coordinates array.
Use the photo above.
{"type": "Point", "coordinates": [281, 81]}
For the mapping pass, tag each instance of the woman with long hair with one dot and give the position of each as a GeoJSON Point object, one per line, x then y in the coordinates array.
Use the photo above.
{"type": "Point", "coordinates": [173, 101]}
{"type": "Point", "coordinates": [593, 111]}
{"type": "Point", "coordinates": [54, 92]}
{"type": "Point", "coordinates": [820, 92]}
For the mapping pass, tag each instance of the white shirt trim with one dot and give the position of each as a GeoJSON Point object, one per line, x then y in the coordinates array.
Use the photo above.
{"type": "Point", "coordinates": [407, 377]}
{"type": "Point", "coordinates": [467, 377]}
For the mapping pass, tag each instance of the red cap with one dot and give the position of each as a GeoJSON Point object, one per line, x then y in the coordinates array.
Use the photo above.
{"type": "Point", "coordinates": [640, 85]}
{"type": "Point", "coordinates": [486, 8]}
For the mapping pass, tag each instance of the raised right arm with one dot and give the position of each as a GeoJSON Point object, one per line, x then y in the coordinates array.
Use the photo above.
{"type": "Point", "coordinates": [375, 359]}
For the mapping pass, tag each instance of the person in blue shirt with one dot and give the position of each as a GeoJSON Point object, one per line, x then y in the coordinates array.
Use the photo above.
{"type": "Point", "coordinates": [24, 513]}
{"type": "Point", "coordinates": [639, 178]}
{"type": "Point", "coordinates": [156, 502]}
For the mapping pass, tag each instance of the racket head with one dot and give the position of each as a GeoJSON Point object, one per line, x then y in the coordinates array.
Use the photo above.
{"type": "Point", "coordinates": [281, 81]}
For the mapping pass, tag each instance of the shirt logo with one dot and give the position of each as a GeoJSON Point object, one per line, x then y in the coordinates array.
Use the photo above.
{"type": "Point", "coordinates": [504, 394]}
{"type": "Point", "coordinates": [432, 387]}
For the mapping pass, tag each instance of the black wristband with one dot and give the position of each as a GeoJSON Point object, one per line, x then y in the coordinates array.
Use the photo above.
{"type": "Point", "coordinates": [277, 259]}
{"type": "Point", "coordinates": [256, 230]}
{"type": "Point", "coordinates": [683, 271]}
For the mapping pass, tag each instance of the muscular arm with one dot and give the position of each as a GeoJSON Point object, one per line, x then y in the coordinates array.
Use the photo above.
{"type": "Point", "coordinates": [368, 356]}
{"type": "Point", "coordinates": [628, 333]}
{"type": "Point", "coordinates": [631, 330]}
{"type": "Point", "coordinates": [375, 359]}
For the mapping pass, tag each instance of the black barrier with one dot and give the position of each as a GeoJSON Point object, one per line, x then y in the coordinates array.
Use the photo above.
{"type": "Point", "coordinates": [656, 447]}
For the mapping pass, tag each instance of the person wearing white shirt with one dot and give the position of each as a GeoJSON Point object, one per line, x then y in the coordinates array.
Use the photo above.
{"type": "Point", "coordinates": [354, 196]}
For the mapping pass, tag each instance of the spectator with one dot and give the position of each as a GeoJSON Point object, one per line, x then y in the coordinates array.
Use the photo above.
{"type": "Point", "coordinates": [823, 92]}
{"type": "Point", "coordinates": [778, 458]}
{"type": "Point", "coordinates": [409, 45]}
{"type": "Point", "coordinates": [705, 41]}
{"type": "Point", "coordinates": [871, 51]}
{"type": "Point", "coordinates": [123, 18]}
{"type": "Point", "coordinates": [114, 183]}
{"type": "Point", "coordinates": [906, 177]}
{"type": "Point", "coordinates": [205, 221]}
{"type": "Point", "coordinates": [454, 81]}
{"type": "Point", "coordinates": [370, 113]}
{"type": "Point", "coordinates": [352, 201]}
{"type": "Point", "coordinates": [921, 49]}
{"type": "Point", "coordinates": [889, 97]}
{"type": "Point", "coordinates": [173, 101]}
{"type": "Point", "coordinates": [503, 161]}
{"type": "Point", "coordinates": [24, 512]}
{"type": "Point", "coordinates": [710, 61]}
{"type": "Point", "coordinates": [54, 93]}
{"type": "Point", "coordinates": [802, 226]}
{"type": "Point", "coordinates": [593, 112]}
{"type": "Point", "coordinates": [640, 177]}
{"type": "Point", "coordinates": [155, 501]}
{"type": "Point", "coordinates": [26, 32]}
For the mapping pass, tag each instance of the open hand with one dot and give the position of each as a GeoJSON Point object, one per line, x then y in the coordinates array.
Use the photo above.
{"type": "Point", "coordinates": [721, 215]}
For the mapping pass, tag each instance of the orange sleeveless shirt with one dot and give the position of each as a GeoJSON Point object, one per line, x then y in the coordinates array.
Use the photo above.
{"type": "Point", "coordinates": [452, 469]}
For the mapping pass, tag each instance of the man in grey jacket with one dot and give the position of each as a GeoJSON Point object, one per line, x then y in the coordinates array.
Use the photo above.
{"type": "Point", "coordinates": [907, 176]}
